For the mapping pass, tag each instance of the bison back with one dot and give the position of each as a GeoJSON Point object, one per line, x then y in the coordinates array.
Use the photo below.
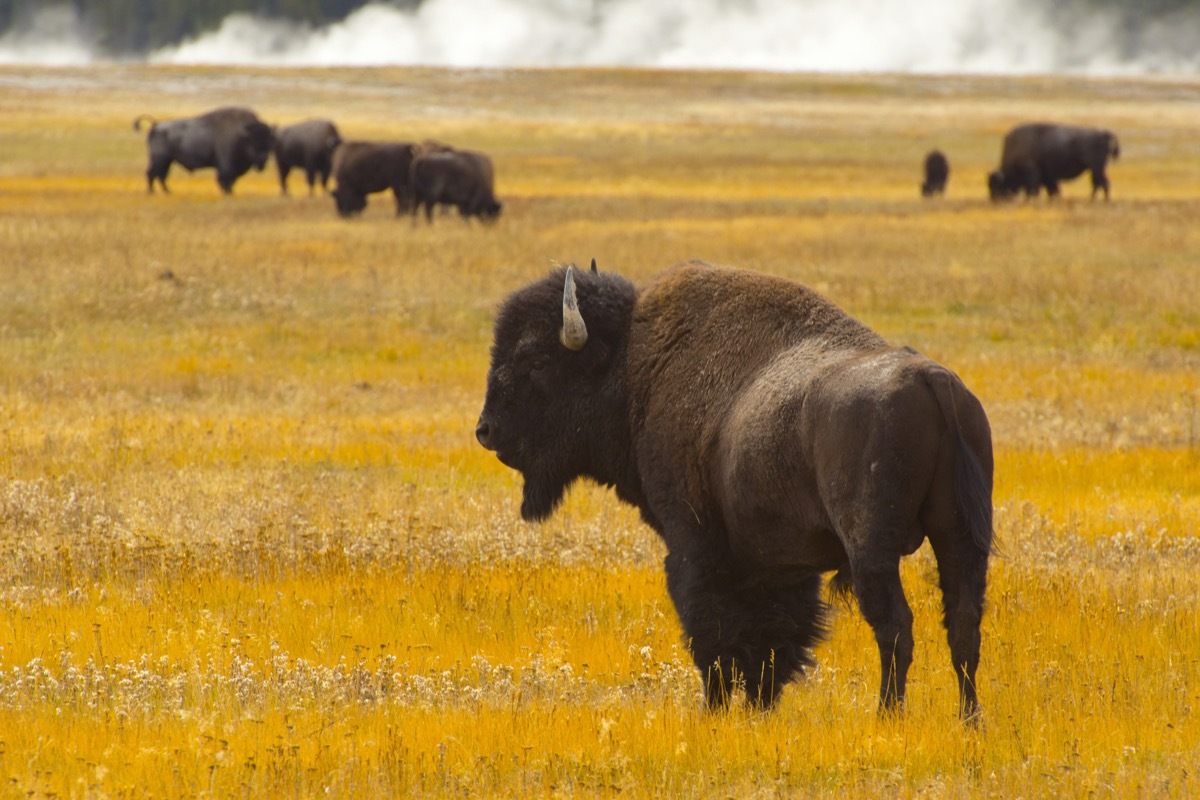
{"type": "Point", "coordinates": [369, 167]}
{"type": "Point", "coordinates": [700, 336]}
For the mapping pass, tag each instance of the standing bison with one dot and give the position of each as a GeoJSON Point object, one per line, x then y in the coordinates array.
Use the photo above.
{"type": "Point", "coordinates": [768, 438]}
{"type": "Point", "coordinates": [1041, 154]}
{"type": "Point", "coordinates": [461, 178]}
{"type": "Point", "coordinates": [231, 139]}
{"type": "Point", "coordinates": [307, 145]}
{"type": "Point", "coordinates": [937, 172]}
{"type": "Point", "coordinates": [363, 168]}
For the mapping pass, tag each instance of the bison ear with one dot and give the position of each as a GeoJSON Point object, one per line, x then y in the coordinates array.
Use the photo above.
{"type": "Point", "coordinates": [574, 333]}
{"type": "Point", "coordinates": [594, 270]}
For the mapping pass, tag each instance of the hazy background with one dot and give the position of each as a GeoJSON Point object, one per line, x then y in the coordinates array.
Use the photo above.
{"type": "Point", "coordinates": [973, 36]}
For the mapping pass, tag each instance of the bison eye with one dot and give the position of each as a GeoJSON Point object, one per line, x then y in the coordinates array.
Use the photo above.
{"type": "Point", "coordinates": [538, 364]}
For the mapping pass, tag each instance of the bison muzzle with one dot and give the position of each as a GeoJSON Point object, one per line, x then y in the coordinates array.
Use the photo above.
{"type": "Point", "coordinates": [768, 438]}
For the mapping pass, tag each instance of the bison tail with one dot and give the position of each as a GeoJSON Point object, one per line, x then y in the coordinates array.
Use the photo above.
{"type": "Point", "coordinates": [972, 487]}
{"type": "Point", "coordinates": [137, 121]}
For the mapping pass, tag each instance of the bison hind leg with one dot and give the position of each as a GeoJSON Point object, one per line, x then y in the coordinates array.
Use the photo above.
{"type": "Point", "coordinates": [751, 633]}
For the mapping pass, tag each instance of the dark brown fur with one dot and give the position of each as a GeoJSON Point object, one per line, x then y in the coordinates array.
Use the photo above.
{"type": "Point", "coordinates": [769, 438]}
{"type": "Point", "coordinates": [233, 140]}
{"type": "Point", "coordinates": [309, 146]}
{"type": "Point", "coordinates": [363, 168]}
{"type": "Point", "coordinates": [937, 172]}
{"type": "Point", "coordinates": [461, 178]}
{"type": "Point", "coordinates": [1041, 155]}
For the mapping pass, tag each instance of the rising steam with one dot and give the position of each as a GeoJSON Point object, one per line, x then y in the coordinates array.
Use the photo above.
{"type": "Point", "coordinates": [929, 36]}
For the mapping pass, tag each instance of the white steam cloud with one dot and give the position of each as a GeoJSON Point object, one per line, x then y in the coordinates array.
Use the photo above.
{"type": "Point", "coordinates": [54, 37]}
{"type": "Point", "coordinates": [930, 36]}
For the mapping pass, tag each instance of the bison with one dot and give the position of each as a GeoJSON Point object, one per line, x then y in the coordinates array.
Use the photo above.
{"type": "Point", "coordinates": [768, 438]}
{"type": "Point", "coordinates": [461, 178]}
{"type": "Point", "coordinates": [1041, 154]}
{"type": "Point", "coordinates": [307, 145]}
{"type": "Point", "coordinates": [363, 168]}
{"type": "Point", "coordinates": [231, 139]}
{"type": "Point", "coordinates": [937, 172]}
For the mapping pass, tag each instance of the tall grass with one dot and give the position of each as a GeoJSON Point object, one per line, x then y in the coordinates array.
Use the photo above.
{"type": "Point", "coordinates": [251, 547]}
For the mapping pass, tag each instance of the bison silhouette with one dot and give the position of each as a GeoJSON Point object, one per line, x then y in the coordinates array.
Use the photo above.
{"type": "Point", "coordinates": [768, 438]}
{"type": "Point", "coordinates": [1041, 154]}
{"type": "Point", "coordinates": [232, 139]}
{"type": "Point", "coordinates": [309, 146]}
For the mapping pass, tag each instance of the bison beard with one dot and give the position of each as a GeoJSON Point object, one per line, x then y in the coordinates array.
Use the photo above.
{"type": "Point", "coordinates": [768, 438]}
{"type": "Point", "coordinates": [543, 490]}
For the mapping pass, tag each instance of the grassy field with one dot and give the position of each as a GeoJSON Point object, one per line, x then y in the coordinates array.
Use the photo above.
{"type": "Point", "coordinates": [251, 548]}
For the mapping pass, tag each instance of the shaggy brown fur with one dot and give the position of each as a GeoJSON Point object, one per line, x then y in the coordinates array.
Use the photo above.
{"type": "Point", "coordinates": [769, 438]}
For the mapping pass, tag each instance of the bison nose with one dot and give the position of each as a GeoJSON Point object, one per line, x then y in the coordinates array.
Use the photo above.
{"type": "Point", "coordinates": [483, 432]}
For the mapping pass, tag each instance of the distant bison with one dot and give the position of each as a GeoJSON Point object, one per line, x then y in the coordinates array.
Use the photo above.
{"type": "Point", "coordinates": [768, 438]}
{"type": "Point", "coordinates": [1041, 154]}
{"type": "Point", "coordinates": [937, 172]}
{"type": "Point", "coordinates": [461, 178]}
{"type": "Point", "coordinates": [363, 168]}
{"type": "Point", "coordinates": [231, 139]}
{"type": "Point", "coordinates": [307, 145]}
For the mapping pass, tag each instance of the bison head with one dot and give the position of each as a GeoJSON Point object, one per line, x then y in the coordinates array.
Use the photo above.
{"type": "Point", "coordinates": [348, 202]}
{"type": "Point", "coordinates": [490, 211]}
{"type": "Point", "coordinates": [998, 188]}
{"type": "Point", "coordinates": [556, 404]}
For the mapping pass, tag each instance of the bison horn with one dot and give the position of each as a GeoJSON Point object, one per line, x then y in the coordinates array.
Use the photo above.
{"type": "Point", "coordinates": [594, 270]}
{"type": "Point", "coordinates": [574, 331]}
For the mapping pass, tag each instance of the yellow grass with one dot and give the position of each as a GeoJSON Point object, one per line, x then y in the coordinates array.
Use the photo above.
{"type": "Point", "coordinates": [252, 549]}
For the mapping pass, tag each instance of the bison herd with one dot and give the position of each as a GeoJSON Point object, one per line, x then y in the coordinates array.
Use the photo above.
{"type": "Point", "coordinates": [765, 435]}
{"type": "Point", "coordinates": [234, 140]}
{"type": "Point", "coordinates": [431, 174]}
{"type": "Point", "coordinates": [1035, 156]}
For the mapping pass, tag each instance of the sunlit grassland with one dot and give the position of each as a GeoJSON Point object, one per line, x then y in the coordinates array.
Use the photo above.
{"type": "Point", "coordinates": [250, 546]}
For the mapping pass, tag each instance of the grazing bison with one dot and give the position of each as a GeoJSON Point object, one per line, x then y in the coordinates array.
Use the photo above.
{"type": "Point", "coordinates": [937, 172]}
{"type": "Point", "coordinates": [461, 178]}
{"type": "Point", "coordinates": [1041, 154]}
{"type": "Point", "coordinates": [363, 168]}
{"type": "Point", "coordinates": [231, 139]}
{"type": "Point", "coordinates": [768, 438]}
{"type": "Point", "coordinates": [307, 145]}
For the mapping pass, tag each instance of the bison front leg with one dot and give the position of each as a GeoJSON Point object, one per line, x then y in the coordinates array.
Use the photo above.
{"type": "Point", "coordinates": [881, 599]}
{"type": "Point", "coordinates": [225, 179]}
{"type": "Point", "coordinates": [744, 630]}
{"type": "Point", "coordinates": [284, 170]}
{"type": "Point", "coordinates": [719, 680]}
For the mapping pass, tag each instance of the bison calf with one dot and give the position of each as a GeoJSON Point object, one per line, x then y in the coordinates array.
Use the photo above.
{"type": "Point", "coordinates": [1040, 155]}
{"type": "Point", "coordinates": [937, 172]}
{"type": "Point", "coordinates": [768, 438]}
{"type": "Point", "coordinates": [231, 139]}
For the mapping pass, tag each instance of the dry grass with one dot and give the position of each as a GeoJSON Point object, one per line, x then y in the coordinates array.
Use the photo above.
{"type": "Point", "coordinates": [251, 547]}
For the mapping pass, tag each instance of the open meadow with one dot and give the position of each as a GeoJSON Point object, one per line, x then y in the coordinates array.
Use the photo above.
{"type": "Point", "coordinates": [250, 547]}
